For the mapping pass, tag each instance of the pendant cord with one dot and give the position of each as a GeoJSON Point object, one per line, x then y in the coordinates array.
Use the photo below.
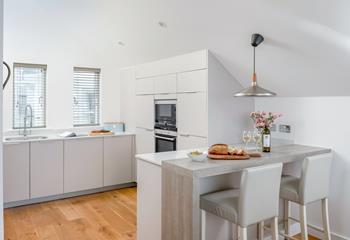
{"type": "Point", "coordinates": [254, 61]}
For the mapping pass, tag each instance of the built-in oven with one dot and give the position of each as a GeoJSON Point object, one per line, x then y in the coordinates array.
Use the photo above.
{"type": "Point", "coordinates": [165, 113]}
{"type": "Point", "coordinates": [165, 140]}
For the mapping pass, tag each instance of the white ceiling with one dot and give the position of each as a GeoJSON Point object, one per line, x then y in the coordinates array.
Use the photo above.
{"type": "Point", "coordinates": [306, 50]}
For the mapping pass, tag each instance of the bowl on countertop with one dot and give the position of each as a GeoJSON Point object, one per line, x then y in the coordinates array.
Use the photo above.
{"type": "Point", "coordinates": [197, 156]}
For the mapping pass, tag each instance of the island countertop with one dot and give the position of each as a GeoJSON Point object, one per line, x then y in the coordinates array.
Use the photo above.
{"type": "Point", "coordinates": [181, 190]}
{"type": "Point", "coordinates": [283, 154]}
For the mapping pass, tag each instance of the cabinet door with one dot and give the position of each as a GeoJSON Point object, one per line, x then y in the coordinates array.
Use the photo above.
{"type": "Point", "coordinates": [192, 117]}
{"type": "Point", "coordinates": [195, 81]}
{"type": "Point", "coordinates": [145, 112]}
{"type": "Point", "coordinates": [145, 141]}
{"type": "Point", "coordinates": [144, 86]}
{"type": "Point", "coordinates": [165, 84]}
{"type": "Point", "coordinates": [46, 168]}
{"type": "Point", "coordinates": [149, 201]}
{"type": "Point", "coordinates": [117, 160]}
{"type": "Point", "coordinates": [185, 142]}
{"type": "Point", "coordinates": [16, 172]}
{"type": "Point", "coordinates": [83, 164]}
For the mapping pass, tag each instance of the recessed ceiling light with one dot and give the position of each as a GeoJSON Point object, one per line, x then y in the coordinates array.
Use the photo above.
{"type": "Point", "coordinates": [162, 24]}
{"type": "Point", "coordinates": [120, 43]}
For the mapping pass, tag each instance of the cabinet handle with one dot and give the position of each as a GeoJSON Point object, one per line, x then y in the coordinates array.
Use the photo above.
{"type": "Point", "coordinates": [184, 135]}
{"type": "Point", "coordinates": [149, 130]}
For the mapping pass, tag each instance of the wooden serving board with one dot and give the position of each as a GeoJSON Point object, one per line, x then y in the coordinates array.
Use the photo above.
{"type": "Point", "coordinates": [100, 133]}
{"type": "Point", "coordinates": [228, 157]}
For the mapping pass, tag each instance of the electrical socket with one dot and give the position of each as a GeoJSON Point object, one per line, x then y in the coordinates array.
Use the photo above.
{"type": "Point", "coordinates": [284, 128]}
{"type": "Point", "coordinates": [273, 128]}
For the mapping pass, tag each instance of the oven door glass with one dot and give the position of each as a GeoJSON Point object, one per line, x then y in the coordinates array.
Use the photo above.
{"type": "Point", "coordinates": [165, 113]}
{"type": "Point", "coordinates": [163, 145]}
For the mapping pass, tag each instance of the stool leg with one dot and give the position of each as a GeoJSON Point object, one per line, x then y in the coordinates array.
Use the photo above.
{"type": "Point", "coordinates": [325, 218]}
{"type": "Point", "coordinates": [303, 223]}
{"type": "Point", "coordinates": [274, 228]}
{"type": "Point", "coordinates": [203, 224]}
{"type": "Point", "coordinates": [261, 230]}
{"type": "Point", "coordinates": [238, 232]}
{"type": "Point", "coordinates": [286, 217]}
{"type": "Point", "coordinates": [243, 233]}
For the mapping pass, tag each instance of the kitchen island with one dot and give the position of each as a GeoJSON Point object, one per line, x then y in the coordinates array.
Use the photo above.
{"type": "Point", "coordinates": [183, 181]}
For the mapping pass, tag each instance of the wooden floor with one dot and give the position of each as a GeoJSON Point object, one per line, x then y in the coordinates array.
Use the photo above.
{"type": "Point", "coordinates": [102, 216]}
{"type": "Point", "coordinates": [109, 215]}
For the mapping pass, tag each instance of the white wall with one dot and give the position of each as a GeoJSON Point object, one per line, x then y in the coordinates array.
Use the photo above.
{"type": "Point", "coordinates": [321, 121]}
{"type": "Point", "coordinates": [1, 113]}
{"type": "Point", "coordinates": [53, 34]}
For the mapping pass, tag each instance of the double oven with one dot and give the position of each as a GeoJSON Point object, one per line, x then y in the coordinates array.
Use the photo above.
{"type": "Point", "coordinates": [165, 130]}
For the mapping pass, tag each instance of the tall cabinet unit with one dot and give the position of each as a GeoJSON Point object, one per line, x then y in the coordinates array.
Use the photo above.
{"type": "Point", "coordinates": [207, 111]}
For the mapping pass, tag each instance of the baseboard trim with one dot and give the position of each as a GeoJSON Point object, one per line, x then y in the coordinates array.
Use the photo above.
{"type": "Point", "coordinates": [67, 195]}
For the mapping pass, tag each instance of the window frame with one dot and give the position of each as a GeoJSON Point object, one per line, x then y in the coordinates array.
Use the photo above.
{"type": "Point", "coordinates": [94, 70]}
{"type": "Point", "coordinates": [29, 65]}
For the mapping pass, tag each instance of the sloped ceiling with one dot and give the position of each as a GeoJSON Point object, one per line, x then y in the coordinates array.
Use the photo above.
{"type": "Point", "coordinates": [306, 50]}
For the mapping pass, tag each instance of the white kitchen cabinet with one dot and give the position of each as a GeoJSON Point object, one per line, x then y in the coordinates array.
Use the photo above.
{"type": "Point", "coordinates": [16, 172]}
{"type": "Point", "coordinates": [165, 84]}
{"type": "Point", "coordinates": [145, 111]}
{"type": "Point", "coordinates": [144, 86]}
{"type": "Point", "coordinates": [83, 164]}
{"type": "Point", "coordinates": [192, 117]}
{"type": "Point", "coordinates": [149, 201]}
{"type": "Point", "coordinates": [185, 142]}
{"type": "Point", "coordinates": [46, 168]}
{"type": "Point", "coordinates": [118, 160]}
{"type": "Point", "coordinates": [145, 142]}
{"type": "Point", "coordinates": [194, 81]}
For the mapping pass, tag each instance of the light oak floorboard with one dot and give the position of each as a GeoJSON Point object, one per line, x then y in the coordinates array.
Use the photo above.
{"type": "Point", "coordinates": [103, 216]}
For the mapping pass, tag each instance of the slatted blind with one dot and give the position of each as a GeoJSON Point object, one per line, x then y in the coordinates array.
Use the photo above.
{"type": "Point", "coordinates": [86, 97]}
{"type": "Point", "coordinates": [29, 88]}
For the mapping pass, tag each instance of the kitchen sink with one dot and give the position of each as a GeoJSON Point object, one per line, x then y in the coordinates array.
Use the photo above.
{"type": "Point", "coordinates": [24, 138]}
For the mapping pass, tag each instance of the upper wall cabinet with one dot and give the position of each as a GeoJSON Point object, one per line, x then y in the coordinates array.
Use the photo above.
{"type": "Point", "coordinates": [144, 86]}
{"type": "Point", "coordinates": [183, 63]}
{"type": "Point", "coordinates": [145, 111]}
{"type": "Point", "coordinates": [194, 81]}
{"type": "Point", "coordinates": [165, 84]}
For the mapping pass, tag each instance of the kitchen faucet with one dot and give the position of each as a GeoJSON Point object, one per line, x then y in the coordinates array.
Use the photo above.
{"type": "Point", "coordinates": [25, 130]}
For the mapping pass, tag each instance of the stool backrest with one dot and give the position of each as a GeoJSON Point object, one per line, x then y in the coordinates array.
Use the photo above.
{"type": "Point", "coordinates": [315, 177]}
{"type": "Point", "coordinates": [259, 194]}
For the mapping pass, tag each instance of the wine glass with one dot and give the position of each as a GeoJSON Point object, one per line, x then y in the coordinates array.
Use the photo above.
{"type": "Point", "coordinates": [246, 137]}
{"type": "Point", "coordinates": [257, 139]}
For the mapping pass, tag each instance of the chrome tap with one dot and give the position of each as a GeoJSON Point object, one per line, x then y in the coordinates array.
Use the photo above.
{"type": "Point", "coordinates": [25, 130]}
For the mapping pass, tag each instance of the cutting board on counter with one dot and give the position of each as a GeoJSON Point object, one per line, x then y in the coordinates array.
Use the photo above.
{"type": "Point", "coordinates": [233, 157]}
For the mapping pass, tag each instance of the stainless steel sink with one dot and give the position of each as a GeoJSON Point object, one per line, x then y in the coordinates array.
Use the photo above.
{"type": "Point", "coordinates": [24, 138]}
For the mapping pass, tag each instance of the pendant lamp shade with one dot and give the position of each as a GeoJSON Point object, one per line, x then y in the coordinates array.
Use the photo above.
{"type": "Point", "coordinates": [254, 90]}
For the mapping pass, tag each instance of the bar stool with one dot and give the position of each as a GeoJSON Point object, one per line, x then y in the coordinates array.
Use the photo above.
{"type": "Point", "coordinates": [313, 185]}
{"type": "Point", "coordinates": [255, 201]}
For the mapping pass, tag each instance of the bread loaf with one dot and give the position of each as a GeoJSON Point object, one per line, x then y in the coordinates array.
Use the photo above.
{"type": "Point", "coordinates": [219, 149]}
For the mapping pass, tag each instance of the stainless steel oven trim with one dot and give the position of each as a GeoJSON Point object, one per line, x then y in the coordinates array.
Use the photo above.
{"type": "Point", "coordinates": [168, 101]}
{"type": "Point", "coordinates": [165, 138]}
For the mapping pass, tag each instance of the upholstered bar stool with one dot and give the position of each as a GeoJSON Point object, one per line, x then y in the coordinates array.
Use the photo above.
{"type": "Point", "coordinates": [255, 201]}
{"type": "Point", "coordinates": [313, 185]}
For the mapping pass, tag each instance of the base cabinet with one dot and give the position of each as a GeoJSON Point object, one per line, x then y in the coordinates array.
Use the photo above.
{"type": "Point", "coordinates": [149, 201]}
{"type": "Point", "coordinates": [46, 168]}
{"type": "Point", "coordinates": [16, 172]}
{"type": "Point", "coordinates": [118, 163]}
{"type": "Point", "coordinates": [83, 164]}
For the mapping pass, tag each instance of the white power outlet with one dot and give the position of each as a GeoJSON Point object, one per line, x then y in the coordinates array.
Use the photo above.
{"type": "Point", "coordinates": [284, 128]}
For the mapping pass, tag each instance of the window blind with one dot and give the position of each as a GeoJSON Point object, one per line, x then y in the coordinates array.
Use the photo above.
{"type": "Point", "coordinates": [86, 97]}
{"type": "Point", "coordinates": [29, 88]}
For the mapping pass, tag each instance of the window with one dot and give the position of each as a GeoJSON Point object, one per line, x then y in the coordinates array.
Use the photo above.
{"type": "Point", "coordinates": [29, 87]}
{"type": "Point", "coordinates": [86, 97]}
